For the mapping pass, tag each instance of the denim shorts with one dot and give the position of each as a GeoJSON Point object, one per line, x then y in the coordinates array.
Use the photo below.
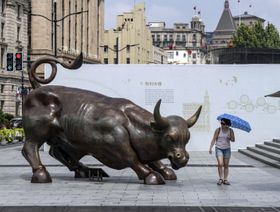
{"type": "Point", "coordinates": [225, 153]}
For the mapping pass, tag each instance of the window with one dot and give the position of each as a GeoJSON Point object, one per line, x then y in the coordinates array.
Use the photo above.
{"type": "Point", "coordinates": [2, 88]}
{"type": "Point", "coordinates": [184, 55]}
{"type": "Point", "coordinates": [3, 6]}
{"type": "Point", "coordinates": [171, 37]}
{"type": "Point", "coordinates": [127, 49]}
{"type": "Point", "coordinates": [178, 37]}
{"type": "Point", "coordinates": [18, 11]}
{"type": "Point", "coordinates": [184, 37]}
{"type": "Point", "coordinates": [194, 37]}
{"type": "Point", "coordinates": [2, 30]}
{"type": "Point", "coordinates": [2, 58]}
{"type": "Point", "coordinates": [105, 49]}
{"type": "Point", "coordinates": [158, 37]}
{"type": "Point", "coordinates": [105, 60]}
{"type": "Point", "coordinates": [194, 55]}
{"type": "Point", "coordinates": [177, 53]}
{"type": "Point", "coordinates": [128, 60]}
{"type": "Point", "coordinates": [153, 36]}
{"type": "Point", "coordinates": [170, 55]}
{"type": "Point", "coordinates": [165, 37]}
{"type": "Point", "coordinates": [2, 104]}
{"type": "Point", "coordinates": [18, 33]}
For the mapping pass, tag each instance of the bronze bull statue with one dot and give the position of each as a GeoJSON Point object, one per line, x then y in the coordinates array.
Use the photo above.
{"type": "Point", "coordinates": [117, 132]}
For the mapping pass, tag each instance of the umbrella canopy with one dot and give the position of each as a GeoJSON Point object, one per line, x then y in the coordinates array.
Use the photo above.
{"type": "Point", "coordinates": [236, 122]}
{"type": "Point", "coordinates": [276, 94]}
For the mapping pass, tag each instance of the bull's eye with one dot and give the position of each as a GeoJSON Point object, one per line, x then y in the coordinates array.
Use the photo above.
{"type": "Point", "coordinates": [168, 138]}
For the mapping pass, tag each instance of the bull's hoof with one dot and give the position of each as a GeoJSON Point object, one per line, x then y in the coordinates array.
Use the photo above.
{"type": "Point", "coordinates": [154, 178]}
{"type": "Point", "coordinates": [41, 175]}
{"type": "Point", "coordinates": [168, 174]}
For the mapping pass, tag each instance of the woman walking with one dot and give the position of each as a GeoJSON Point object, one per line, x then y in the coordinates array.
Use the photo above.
{"type": "Point", "coordinates": [222, 138]}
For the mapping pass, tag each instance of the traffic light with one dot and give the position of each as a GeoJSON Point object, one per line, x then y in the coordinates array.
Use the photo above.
{"type": "Point", "coordinates": [18, 61]}
{"type": "Point", "coordinates": [10, 61]}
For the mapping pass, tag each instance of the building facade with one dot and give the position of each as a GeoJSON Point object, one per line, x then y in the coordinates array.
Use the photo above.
{"type": "Point", "coordinates": [79, 28]}
{"type": "Point", "coordinates": [227, 26]}
{"type": "Point", "coordinates": [160, 56]}
{"type": "Point", "coordinates": [13, 39]}
{"type": "Point", "coordinates": [183, 44]}
{"type": "Point", "coordinates": [246, 19]}
{"type": "Point", "coordinates": [222, 36]}
{"type": "Point", "coordinates": [131, 41]}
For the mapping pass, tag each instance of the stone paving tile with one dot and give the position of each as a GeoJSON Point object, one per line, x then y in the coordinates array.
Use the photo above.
{"type": "Point", "coordinates": [256, 185]}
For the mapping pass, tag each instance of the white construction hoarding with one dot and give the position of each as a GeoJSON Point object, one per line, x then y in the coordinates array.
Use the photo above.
{"type": "Point", "coordinates": [234, 89]}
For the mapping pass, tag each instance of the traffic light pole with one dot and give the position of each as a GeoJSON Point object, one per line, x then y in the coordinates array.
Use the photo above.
{"type": "Point", "coordinates": [22, 89]}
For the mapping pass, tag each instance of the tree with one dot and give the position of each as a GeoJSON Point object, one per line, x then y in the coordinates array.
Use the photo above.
{"type": "Point", "coordinates": [5, 118]}
{"type": "Point", "coordinates": [272, 37]}
{"type": "Point", "coordinates": [243, 37]}
{"type": "Point", "coordinates": [256, 36]}
{"type": "Point", "coordinates": [259, 33]}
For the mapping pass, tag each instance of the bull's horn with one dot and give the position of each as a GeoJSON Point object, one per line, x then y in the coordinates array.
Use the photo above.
{"type": "Point", "coordinates": [160, 121]}
{"type": "Point", "coordinates": [192, 120]}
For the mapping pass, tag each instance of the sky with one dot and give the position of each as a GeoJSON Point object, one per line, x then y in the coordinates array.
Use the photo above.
{"type": "Point", "coordinates": [181, 11]}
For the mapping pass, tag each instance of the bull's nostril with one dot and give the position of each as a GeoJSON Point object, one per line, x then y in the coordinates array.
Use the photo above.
{"type": "Point", "coordinates": [178, 155]}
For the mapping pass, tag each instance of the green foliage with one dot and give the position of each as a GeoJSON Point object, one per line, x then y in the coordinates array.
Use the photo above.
{"type": "Point", "coordinates": [272, 37]}
{"type": "Point", "coordinates": [11, 134]}
{"type": "Point", "coordinates": [5, 118]}
{"type": "Point", "coordinates": [243, 37]}
{"type": "Point", "coordinates": [256, 36]}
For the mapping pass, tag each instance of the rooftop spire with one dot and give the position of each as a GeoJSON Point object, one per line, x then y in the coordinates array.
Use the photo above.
{"type": "Point", "coordinates": [226, 4]}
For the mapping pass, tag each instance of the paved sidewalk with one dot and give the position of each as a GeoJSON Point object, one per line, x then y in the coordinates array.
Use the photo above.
{"type": "Point", "coordinates": [253, 184]}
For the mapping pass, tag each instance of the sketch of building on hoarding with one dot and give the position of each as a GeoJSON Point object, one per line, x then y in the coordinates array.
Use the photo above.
{"type": "Point", "coordinates": [203, 123]}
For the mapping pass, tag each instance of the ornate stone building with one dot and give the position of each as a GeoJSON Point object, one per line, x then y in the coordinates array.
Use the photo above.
{"type": "Point", "coordinates": [225, 29]}
{"type": "Point", "coordinates": [182, 43]}
{"type": "Point", "coordinates": [131, 41]}
{"type": "Point", "coordinates": [13, 38]}
{"type": "Point", "coordinates": [246, 19]}
{"type": "Point", "coordinates": [227, 26]}
{"type": "Point", "coordinates": [79, 28]}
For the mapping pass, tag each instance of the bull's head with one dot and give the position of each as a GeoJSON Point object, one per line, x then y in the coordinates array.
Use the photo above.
{"type": "Point", "coordinates": [175, 135]}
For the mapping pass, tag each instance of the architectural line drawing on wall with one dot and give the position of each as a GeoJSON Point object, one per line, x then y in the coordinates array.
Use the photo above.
{"type": "Point", "coordinates": [203, 123]}
{"type": "Point", "coordinates": [248, 105]}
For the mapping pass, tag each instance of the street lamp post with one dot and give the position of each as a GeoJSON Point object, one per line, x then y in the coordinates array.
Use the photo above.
{"type": "Point", "coordinates": [55, 29]}
{"type": "Point", "coordinates": [117, 50]}
{"type": "Point", "coordinates": [55, 21]}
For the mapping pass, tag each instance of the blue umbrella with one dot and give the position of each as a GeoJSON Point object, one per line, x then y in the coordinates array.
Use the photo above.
{"type": "Point", "coordinates": [236, 122]}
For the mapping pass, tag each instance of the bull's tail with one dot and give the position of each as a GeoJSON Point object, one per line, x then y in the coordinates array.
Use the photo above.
{"type": "Point", "coordinates": [35, 80]}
